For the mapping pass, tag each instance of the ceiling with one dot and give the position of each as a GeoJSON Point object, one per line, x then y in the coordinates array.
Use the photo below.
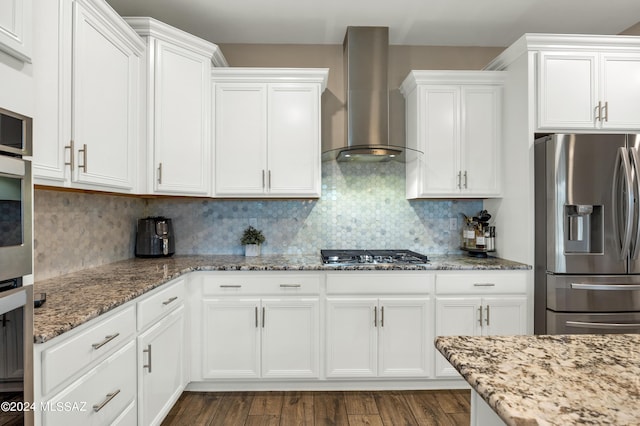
{"type": "Point", "coordinates": [411, 22]}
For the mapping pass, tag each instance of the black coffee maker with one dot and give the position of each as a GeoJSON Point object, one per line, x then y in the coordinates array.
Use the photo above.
{"type": "Point", "coordinates": [154, 237]}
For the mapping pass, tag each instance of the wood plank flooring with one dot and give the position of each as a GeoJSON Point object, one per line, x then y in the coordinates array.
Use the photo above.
{"type": "Point", "coordinates": [383, 408]}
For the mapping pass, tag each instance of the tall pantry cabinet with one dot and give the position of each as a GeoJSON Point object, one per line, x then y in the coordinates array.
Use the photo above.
{"type": "Point", "coordinates": [88, 80]}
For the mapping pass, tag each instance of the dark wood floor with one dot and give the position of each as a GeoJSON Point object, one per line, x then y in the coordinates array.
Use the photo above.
{"type": "Point", "coordinates": [392, 408]}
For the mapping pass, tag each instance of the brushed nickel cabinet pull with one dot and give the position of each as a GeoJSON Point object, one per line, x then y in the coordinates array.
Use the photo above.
{"type": "Point", "coordinates": [171, 299]}
{"type": "Point", "coordinates": [606, 111]}
{"type": "Point", "coordinates": [487, 319]}
{"type": "Point", "coordinates": [106, 340]}
{"type": "Point", "coordinates": [256, 317]}
{"type": "Point", "coordinates": [375, 316]}
{"type": "Point", "coordinates": [160, 173]}
{"type": "Point", "coordinates": [108, 399]}
{"type": "Point", "coordinates": [290, 285]}
{"type": "Point", "coordinates": [147, 351]}
{"type": "Point", "coordinates": [599, 111]}
{"type": "Point", "coordinates": [263, 309]}
{"type": "Point", "coordinates": [84, 158]}
{"type": "Point", "coordinates": [263, 179]}
{"type": "Point", "coordinates": [382, 316]}
{"type": "Point", "coordinates": [480, 313]}
{"type": "Point", "coordinates": [484, 284]}
{"type": "Point", "coordinates": [269, 180]}
{"type": "Point", "coordinates": [71, 149]}
{"type": "Point", "coordinates": [460, 180]}
{"type": "Point", "coordinates": [465, 179]}
{"type": "Point", "coordinates": [230, 286]}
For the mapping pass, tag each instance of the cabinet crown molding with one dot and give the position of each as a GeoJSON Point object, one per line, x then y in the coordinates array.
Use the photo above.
{"type": "Point", "coordinates": [452, 77]}
{"type": "Point", "coordinates": [111, 17]}
{"type": "Point", "coordinates": [271, 75]}
{"type": "Point", "coordinates": [564, 42]}
{"type": "Point", "coordinates": [150, 27]}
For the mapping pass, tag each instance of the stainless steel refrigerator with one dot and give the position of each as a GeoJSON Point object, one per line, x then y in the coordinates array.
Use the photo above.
{"type": "Point", "coordinates": [587, 248]}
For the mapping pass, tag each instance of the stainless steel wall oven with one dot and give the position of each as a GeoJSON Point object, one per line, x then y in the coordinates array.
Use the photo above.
{"type": "Point", "coordinates": [16, 300]}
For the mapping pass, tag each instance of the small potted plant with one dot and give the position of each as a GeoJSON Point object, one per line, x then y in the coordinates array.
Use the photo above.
{"type": "Point", "coordinates": [252, 238]}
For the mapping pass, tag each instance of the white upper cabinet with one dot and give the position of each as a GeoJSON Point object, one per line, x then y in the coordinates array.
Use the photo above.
{"type": "Point", "coordinates": [16, 28]}
{"type": "Point", "coordinates": [178, 150]}
{"type": "Point", "coordinates": [454, 120]}
{"type": "Point", "coordinates": [87, 124]}
{"type": "Point", "coordinates": [588, 90]}
{"type": "Point", "coordinates": [267, 132]}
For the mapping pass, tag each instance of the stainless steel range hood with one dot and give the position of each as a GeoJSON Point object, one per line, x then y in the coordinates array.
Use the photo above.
{"type": "Point", "coordinates": [367, 98]}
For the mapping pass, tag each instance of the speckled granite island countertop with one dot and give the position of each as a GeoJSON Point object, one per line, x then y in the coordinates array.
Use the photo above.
{"type": "Point", "coordinates": [79, 297]}
{"type": "Point", "coordinates": [552, 380]}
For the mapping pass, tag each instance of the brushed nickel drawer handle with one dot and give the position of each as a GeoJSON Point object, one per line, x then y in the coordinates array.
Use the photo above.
{"type": "Point", "coordinates": [484, 284]}
{"type": "Point", "coordinates": [172, 299]}
{"type": "Point", "coordinates": [290, 285]}
{"type": "Point", "coordinates": [487, 318]}
{"type": "Point", "coordinates": [84, 157]}
{"type": "Point", "coordinates": [110, 396]}
{"type": "Point", "coordinates": [106, 340]}
{"type": "Point", "coordinates": [230, 286]}
{"type": "Point", "coordinates": [71, 149]}
{"type": "Point", "coordinates": [148, 351]}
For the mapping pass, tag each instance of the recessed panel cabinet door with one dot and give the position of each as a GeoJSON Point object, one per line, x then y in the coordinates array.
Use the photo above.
{"type": "Point", "coordinates": [294, 140]}
{"type": "Point", "coordinates": [504, 316]}
{"type": "Point", "coordinates": [352, 343]}
{"type": "Point", "coordinates": [240, 135]}
{"type": "Point", "coordinates": [406, 339]}
{"type": "Point", "coordinates": [620, 89]}
{"type": "Point", "coordinates": [290, 338]}
{"type": "Point", "coordinates": [182, 138]}
{"type": "Point", "coordinates": [106, 96]}
{"type": "Point", "coordinates": [16, 28]}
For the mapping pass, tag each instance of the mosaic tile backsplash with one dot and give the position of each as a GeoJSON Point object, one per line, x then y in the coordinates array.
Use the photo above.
{"type": "Point", "coordinates": [362, 205]}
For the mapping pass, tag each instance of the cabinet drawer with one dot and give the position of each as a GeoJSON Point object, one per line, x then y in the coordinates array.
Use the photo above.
{"type": "Point", "coordinates": [101, 396]}
{"type": "Point", "coordinates": [482, 283]}
{"type": "Point", "coordinates": [63, 360]}
{"type": "Point", "coordinates": [158, 304]}
{"type": "Point", "coordinates": [263, 284]}
{"type": "Point", "coordinates": [380, 283]}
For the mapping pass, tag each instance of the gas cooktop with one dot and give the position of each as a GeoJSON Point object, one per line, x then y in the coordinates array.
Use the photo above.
{"type": "Point", "coordinates": [353, 257]}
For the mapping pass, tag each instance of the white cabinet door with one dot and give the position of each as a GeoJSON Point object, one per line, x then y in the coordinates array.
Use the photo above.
{"type": "Point", "coordinates": [231, 338]}
{"type": "Point", "coordinates": [293, 154]}
{"type": "Point", "coordinates": [441, 145]}
{"type": "Point", "coordinates": [352, 337]}
{"type": "Point", "coordinates": [240, 138]}
{"type": "Point", "coordinates": [160, 367]}
{"type": "Point", "coordinates": [181, 120]}
{"type": "Point", "coordinates": [16, 28]}
{"type": "Point", "coordinates": [481, 109]}
{"type": "Point", "coordinates": [567, 92]}
{"type": "Point", "coordinates": [620, 90]}
{"type": "Point", "coordinates": [455, 316]}
{"type": "Point", "coordinates": [504, 315]}
{"type": "Point", "coordinates": [11, 347]}
{"type": "Point", "coordinates": [290, 338]}
{"type": "Point", "coordinates": [106, 96]}
{"type": "Point", "coordinates": [405, 336]}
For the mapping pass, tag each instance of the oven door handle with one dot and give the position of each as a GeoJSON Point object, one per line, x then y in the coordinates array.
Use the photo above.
{"type": "Point", "coordinates": [586, 324]}
{"type": "Point", "coordinates": [615, 287]}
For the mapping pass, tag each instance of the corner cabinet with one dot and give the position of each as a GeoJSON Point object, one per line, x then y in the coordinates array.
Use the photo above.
{"type": "Point", "coordinates": [89, 89]}
{"type": "Point", "coordinates": [588, 90]}
{"type": "Point", "coordinates": [267, 132]}
{"type": "Point", "coordinates": [178, 150]}
{"type": "Point", "coordinates": [454, 119]}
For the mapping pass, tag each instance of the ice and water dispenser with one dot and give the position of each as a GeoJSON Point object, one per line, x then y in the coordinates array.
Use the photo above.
{"type": "Point", "coordinates": [584, 228]}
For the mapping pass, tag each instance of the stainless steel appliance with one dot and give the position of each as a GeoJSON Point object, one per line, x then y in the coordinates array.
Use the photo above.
{"type": "Point", "coordinates": [587, 249]}
{"type": "Point", "coordinates": [154, 237]}
{"type": "Point", "coordinates": [16, 300]}
{"type": "Point", "coordinates": [354, 257]}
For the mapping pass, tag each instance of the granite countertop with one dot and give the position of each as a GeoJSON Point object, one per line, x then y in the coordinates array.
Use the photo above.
{"type": "Point", "coordinates": [76, 298]}
{"type": "Point", "coordinates": [552, 380]}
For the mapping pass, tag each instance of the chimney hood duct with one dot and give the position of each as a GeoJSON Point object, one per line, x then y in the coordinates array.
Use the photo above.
{"type": "Point", "coordinates": [367, 98]}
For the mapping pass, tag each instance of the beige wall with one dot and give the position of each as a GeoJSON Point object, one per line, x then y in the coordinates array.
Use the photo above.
{"type": "Point", "coordinates": [632, 30]}
{"type": "Point", "coordinates": [402, 59]}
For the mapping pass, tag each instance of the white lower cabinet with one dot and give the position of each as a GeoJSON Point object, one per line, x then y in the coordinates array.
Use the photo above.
{"type": "Point", "coordinates": [101, 396]}
{"type": "Point", "coordinates": [479, 304]}
{"type": "Point", "coordinates": [482, 414]}
{"type": "Point", "coordinates": [379, 325]}
{"type": "Point", "coordinates": [160, 367]}
{"type": "Point", "coordinates": [250, 338]}
{"type": "Point", "coordinates": [378, 337]}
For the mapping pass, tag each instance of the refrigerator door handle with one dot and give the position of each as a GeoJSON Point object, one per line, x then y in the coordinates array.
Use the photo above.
{"type": "Point", "coordinates": [635, 160]}
{"type": "Point", "coordinates": [623, 159]}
